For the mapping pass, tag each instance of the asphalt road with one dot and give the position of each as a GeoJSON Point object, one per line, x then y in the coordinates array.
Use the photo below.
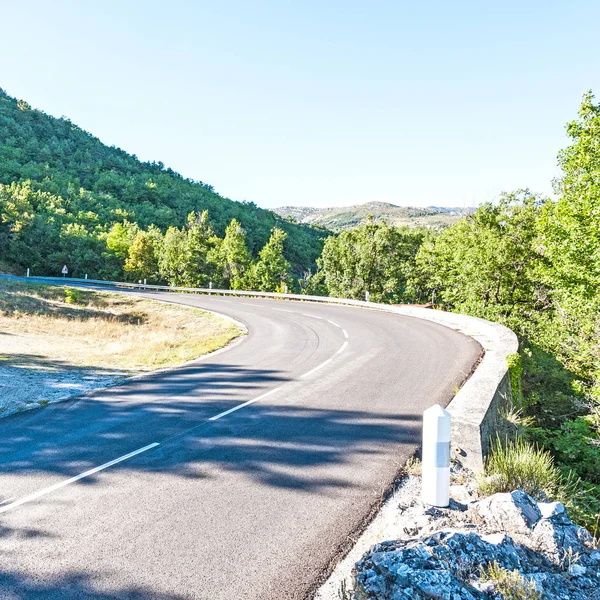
{"type": "Point", "coordinates": [251, 504]}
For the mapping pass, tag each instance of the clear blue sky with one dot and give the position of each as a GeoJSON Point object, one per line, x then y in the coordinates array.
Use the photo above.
{"type": "Point", "coordinates": [317, 102]}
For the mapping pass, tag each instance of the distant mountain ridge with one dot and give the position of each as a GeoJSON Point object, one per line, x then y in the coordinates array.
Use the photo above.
{"type": "Point", "coordinates": [347, 217]}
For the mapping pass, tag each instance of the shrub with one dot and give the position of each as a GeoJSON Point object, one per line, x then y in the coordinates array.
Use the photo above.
{"type": "Point", "coordinates": [519, 464]}
{"type": "Point", "coordinates": [510, 584]}
{"type": "Point", "coordinates": [72, 296]}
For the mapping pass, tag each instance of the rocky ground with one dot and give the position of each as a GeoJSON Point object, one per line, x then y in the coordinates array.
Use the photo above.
{"type": "Point", "coordinates": [503, 546]}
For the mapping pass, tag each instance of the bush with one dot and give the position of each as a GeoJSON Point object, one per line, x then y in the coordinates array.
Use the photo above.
{"type": "Point", "coordinates": [72, 296]}
{"type": "Point", "coordinates": [510, 584]}
{"type": "Point", "coordinates": [519, 464]}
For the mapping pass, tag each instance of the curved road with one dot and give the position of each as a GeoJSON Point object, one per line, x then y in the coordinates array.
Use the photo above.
{"type": "Point", "coordinates": [196, 500]}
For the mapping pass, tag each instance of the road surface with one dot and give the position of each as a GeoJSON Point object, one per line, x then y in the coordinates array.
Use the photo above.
{"type": "Point", "coordinates": [158, 489]}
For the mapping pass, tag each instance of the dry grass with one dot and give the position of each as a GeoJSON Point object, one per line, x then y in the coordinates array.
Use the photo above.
{"type": "Point", "coordinates": [81, 328]}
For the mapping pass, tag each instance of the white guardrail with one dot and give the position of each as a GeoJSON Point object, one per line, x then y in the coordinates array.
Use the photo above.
{"type": "Point", "coordinates": [477, 407]}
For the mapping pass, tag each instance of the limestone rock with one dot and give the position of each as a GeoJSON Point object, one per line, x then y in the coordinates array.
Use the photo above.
{"type": "Point", "coordinates": [514, 512]}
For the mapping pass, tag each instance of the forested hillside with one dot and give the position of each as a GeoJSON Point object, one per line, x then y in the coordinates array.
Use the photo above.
{"type": "Point", "coordinates": [62, 192]}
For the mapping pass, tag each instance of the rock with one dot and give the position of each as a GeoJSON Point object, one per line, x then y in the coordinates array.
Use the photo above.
{"type": "Point", "coordinates": [511, 513]}
{"type": "Point", "coordinates": [454, 547]}
{"type": "Point", "coordinates": [577, 570]}
{"type": "Point", "coordinates": [555, 512]}
{"type": "Point", "coordinates": [461, 494]}
{"type": "Point", "coordinates": [557, 541]}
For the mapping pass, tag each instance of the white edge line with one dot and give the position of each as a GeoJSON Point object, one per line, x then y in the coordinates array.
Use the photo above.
{"type": "Point", "coordinates": [66, 482]}
{"type": "Point", "coordinates": [345, 333]}
{"type": "Point", "coordinates": [228, 412]}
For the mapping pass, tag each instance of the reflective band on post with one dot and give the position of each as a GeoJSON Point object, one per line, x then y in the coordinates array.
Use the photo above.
{"type": "Point", "coordinates": [442, 454]}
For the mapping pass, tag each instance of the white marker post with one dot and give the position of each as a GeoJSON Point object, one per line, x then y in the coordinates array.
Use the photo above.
{"type": "Point", "coordinates": [285, 291]}
{"type": "Point", "coordinates": [436, 456]}
{"type": "Point", "coordinates": [27, 271]}
{"type": "Point", "coordinates": [86, 275]}
{"type": "Point", "coordinates": [367, 296]}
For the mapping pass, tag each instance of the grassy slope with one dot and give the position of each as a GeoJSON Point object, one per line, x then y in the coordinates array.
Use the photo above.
{"type": "Point", "coordinates": [83, 328]}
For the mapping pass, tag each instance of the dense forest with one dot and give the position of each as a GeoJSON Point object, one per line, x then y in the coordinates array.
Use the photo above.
{"type": "Point", "coordinates": [67, 198]}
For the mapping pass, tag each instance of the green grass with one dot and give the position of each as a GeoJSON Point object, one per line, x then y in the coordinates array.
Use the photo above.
{"type": "Point", "coordinates": [517, 464]}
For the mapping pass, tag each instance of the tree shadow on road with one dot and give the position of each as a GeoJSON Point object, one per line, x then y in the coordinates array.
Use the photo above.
{"type": "Point", "coordinates": [276, 444]}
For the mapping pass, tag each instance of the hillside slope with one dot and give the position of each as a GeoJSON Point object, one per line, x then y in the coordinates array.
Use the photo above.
{"type": "Point", "coordinates": [347, 217]}
{"type": "Point", "coordinates": [80, 187]}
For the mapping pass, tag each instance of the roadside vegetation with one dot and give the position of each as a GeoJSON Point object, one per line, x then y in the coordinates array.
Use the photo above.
{"type": "Point", "coordinates": [86, 328]}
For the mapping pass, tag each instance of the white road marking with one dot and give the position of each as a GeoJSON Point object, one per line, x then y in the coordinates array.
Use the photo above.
{"type": "Point", "coordinates": [326, 362]}
{"type": "Point", "coordinates": [66, 482]}
{"type": "Point", "coordinates": [313, 316]}
{"type": "Point", "coordinates": [4, 506]}
{"type": "Point", "coordinates": [227, 412]}
{"type": "Point", "coordinates": [284, 310]}
{"type": "Point", "coordinates": [249, 304]}
{"type": "Point", "coordinates": [333, 323]}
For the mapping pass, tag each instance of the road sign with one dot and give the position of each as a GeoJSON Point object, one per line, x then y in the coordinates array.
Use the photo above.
{"type": "Point", "coordinates": [65, 271]}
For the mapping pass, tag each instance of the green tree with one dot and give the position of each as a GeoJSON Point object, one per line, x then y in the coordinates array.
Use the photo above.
{"type": "Point", "coordinates": [372, 258]}
{"type": "Point", "coordinates": [143, 257]}
{"type": "Point", "coordinates": [487, 264]}
{"type": "Point", "coordinates": [173, 261]}
{"type": "Point", "coordinates": [234, 256]}
{"type": "Point", "coordinates": [120, 237]}
{"type": "Point", "coordinates": [202, 251]}
{"type": "Point", "coordinates": [271, 273]}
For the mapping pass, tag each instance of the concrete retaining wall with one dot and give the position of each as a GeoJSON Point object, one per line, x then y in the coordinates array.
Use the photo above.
{"type": "Point", "coordinates": [476, 408]}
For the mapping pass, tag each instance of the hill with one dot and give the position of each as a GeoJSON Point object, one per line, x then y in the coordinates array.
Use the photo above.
{"type": "Point", "coordinates": [62, 189]}
{"type": "Point", "coordinates": [341, 218]}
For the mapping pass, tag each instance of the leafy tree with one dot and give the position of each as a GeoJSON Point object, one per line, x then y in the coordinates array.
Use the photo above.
{"type": "Point", "coordinates": [234, 256]}
{"type": "Point", "coordinates": [201, 252]}
{"type": "Point", "coordinates": [271, 272]}
{"type": "Point", "coordinates": [487, 263]}
{"type": "Point", "coordinates": [372, 258]}
{"type": "Point", "coordinates": [173, 261]}
{"type": "Point", "coordinates": [143, 257]}
{"type": "Point", "coordinates": [120, 237]}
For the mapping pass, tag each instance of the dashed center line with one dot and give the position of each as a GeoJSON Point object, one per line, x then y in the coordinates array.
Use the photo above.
{"type": "Point", "coordinates": [326, 362]}
{"type": "Point", "coordinates": [227, 412]}
{"type": "Point", "coordinates": [10, 503]}
{"type": "Point", "coordinates": [312, 316]}
{"type": "Point", "coordinates": [66, 482]}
